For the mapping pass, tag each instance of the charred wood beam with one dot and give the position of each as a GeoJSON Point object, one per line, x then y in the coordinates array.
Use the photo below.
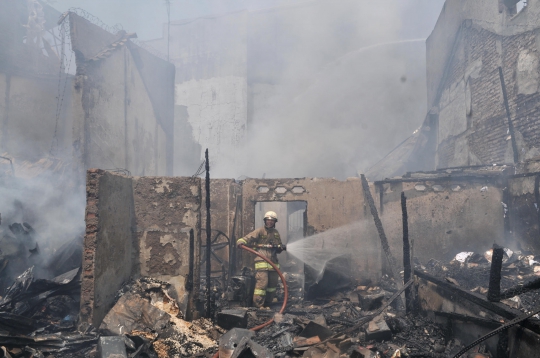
{"type": "Point", "coordinates": [464, 318]}
{"type": "Point", "coordinates": [384, 240]}
{"type": "Point", "coordinates": [520, 289]}
{"type": "Point", "coordinates": [208, 239]}
{"type": "Point", "coordinates": [190, 279]}
{"type": "Point", "coordinates": [510, 124]}
{"type": "Point", "coordinates": [494, 289]}
{"type": "Point", "coordinates": [494, 307]}
{"type": "Point", "coordinates": [537, 197]}
{"type": "Point", "coordinates": [407, 268]}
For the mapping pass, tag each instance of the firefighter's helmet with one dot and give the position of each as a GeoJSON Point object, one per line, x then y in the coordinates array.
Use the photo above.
{"type": "Point", "coordinates": [270, 215]}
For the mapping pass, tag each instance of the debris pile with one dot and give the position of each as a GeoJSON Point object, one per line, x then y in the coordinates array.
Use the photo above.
{"type": "Point", "coordinates": [38, 316]}
{"type": "Point", "coordinates": [471, 271]}
{"type": "Point", "coordinates": [147, 314]}
{"type": "Point", "coordinates": [359, 322]}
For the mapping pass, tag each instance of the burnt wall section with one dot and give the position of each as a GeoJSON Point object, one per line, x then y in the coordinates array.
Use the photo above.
{"type": "Point", "coordinates": [523, 208]}
{"type": "Point", "coordinates": [124, 115]}
{"type": "Point", "coordinates": [166, 209]}
{"type": "Point", "coordinates": [446, 215]}
{"type": "Point", "coordinates": [108, 243]}
{"type": "Point", "coordinates": [330, 204]}
{"type": "Point", "coordinates": [138, 226]}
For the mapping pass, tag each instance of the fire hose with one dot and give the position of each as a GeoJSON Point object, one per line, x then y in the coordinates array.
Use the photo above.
{"type": "Point", "coordinates": [285, 288]}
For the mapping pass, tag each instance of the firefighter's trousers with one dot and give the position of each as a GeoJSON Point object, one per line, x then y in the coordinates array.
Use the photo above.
{"type": "Point", "coordinates": [266, 282]}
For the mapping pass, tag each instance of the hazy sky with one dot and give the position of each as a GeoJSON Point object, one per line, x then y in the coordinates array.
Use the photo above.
{"type": "Point", "coordinates": [147, 16]}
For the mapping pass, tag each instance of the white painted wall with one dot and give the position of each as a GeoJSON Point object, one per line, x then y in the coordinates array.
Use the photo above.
{"type": "Point", "coordinates": [217, 109]}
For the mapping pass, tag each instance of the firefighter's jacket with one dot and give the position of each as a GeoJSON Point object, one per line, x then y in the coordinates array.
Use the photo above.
{"type": "Point", "coordinates": [263, 236]}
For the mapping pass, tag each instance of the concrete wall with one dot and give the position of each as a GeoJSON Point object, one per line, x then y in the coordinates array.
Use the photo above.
{"type": "Point", "coordinates": [118, 123]}
{"type": "Point", "coordinates": [29, 126]}
{"type": "Point", "coordinates": [166, 208]}
{"type": "Point", "coordinates": [446, 216]}
{"type": "Point", "coordinates": [108, 255]}
{"type": "Point", "coordinates": [30, 80]}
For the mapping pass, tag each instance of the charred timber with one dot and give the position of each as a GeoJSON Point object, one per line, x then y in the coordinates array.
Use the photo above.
{"type": "Point", "coordinates": [384, 240]}
{"type": "Point", "coordinates": [460, 294]}
{"type": "Point", "coordinates": [520, 289]}
{"type": "Point", "coordinates": [494, 289]}
{"type": "Point", "coordinates": [407, 268]}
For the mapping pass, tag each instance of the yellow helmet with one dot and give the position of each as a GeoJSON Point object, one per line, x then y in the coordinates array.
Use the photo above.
{"type": "Point", "coordinates": [270, 215]}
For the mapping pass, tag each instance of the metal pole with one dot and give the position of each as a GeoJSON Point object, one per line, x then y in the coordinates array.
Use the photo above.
{"type": "Point", "coordinates": [168, 28]}
{"type": "Point", "coordinates": [208, 238]}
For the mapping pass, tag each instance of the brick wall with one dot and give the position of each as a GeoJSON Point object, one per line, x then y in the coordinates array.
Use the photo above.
{"type": "Point", "coordinates": [483, 140]}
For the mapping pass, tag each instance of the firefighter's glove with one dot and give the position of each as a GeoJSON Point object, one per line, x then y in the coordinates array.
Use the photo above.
{"type": "Point", "coordinates": [241, 241]}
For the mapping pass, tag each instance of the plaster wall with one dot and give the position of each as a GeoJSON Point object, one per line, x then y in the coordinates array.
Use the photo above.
{"type": "Point", "coordinates": [445, 217]}
{"type": "Point", "coordinates": [166, 209]}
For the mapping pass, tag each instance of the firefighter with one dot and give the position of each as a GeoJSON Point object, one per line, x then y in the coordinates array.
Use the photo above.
{"type": "Point", "coordinates": [266, 278]}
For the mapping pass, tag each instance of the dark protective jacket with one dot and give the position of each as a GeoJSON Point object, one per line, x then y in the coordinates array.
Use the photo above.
{"type": "Point", "coordinates": [263, 236]}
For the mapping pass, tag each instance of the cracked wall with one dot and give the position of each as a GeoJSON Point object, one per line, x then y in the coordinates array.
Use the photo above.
{"type": "Point", "coordinates": [210, 55]}
{"type": "Point", "coordinates": [139, 226]}
{"type": "Point", "coordinates": [166, 209]}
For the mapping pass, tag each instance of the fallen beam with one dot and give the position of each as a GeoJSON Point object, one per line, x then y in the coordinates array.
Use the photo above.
{"type": "Point", "coordinates": [498, 308]}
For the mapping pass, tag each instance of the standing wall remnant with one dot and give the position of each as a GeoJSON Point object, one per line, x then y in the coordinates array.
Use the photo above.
{"type": "Point", "coordinates": [123, 115]}
{"type": "Point", "coordinates": [108, 254]}
{"type": "Point", "coordinates": [138, 227]}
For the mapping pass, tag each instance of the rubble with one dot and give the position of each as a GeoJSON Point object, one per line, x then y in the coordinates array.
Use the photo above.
{"type": "Point", "coordinates": [473, 274]}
